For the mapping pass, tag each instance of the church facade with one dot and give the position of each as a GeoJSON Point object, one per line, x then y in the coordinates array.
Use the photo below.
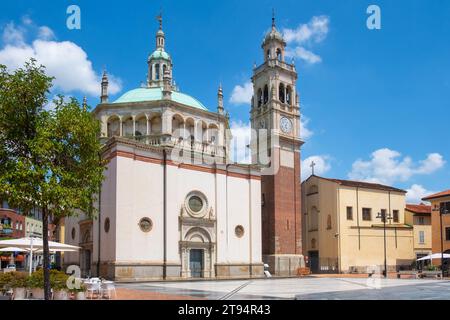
{"type": "Point", "coordinates": [173, 205]}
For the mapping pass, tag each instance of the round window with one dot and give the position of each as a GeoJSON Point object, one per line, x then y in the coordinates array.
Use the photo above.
{"type": "Point", "coordinates": [107, 225]}
{"type": "Point", "coordinates": [73, 233]}
{"type": "Point", "coordinates": [195, 204]}
{"type": "Point", "coordinates": [146, 224]}
{"type": "Point", "coordinates": [239, 230]}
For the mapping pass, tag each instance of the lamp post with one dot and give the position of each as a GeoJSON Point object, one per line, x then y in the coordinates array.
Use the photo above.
{"type": "Point", "coordinates": [442, 210]}
{"type": "Point", "coordinates": [384, 216]}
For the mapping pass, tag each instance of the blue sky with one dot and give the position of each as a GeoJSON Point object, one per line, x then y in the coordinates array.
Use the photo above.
{"type": "Point", "coordinates": [375, 102]}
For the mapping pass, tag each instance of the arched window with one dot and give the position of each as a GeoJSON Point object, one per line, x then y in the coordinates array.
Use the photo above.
{"type": "Point", "coordinates": [164, 69]}
{"type": "Point", "coordinates": [151, 73]}
{"type": "Point", "coordinates": [127, 127]}
{"type": "Point", "coordinates": [268, 54]}
{"type": "Point", "coordinates": [113, 126]}
{"type": "Point", "coordinates": [141, 126]}
{"type": "Point", "coordinates": [177, 126]}
{"type": "Point", "coordinates": [157, 72]}
{"type": "Point", "coordinates": [329, 222]}
{"type": "Point", "coordinates": [281, 93]}
{"type": "Point", "coordinates": [314, 219]}
{"type": "Point", "coordinates": [289, 95]}
{"type": "Point", "coordinates": [266, 94]}
{"type": "Point", "coordinates": [313, 190]}
{"type": "Point", "coordinates": [260, 97]}
{"type": "Point", "coordinates": [279, 57]}
{"type": "Point", "coordinates": [156, 124]}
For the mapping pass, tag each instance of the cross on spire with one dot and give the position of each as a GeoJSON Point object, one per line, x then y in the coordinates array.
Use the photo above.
{"type": "Point", "coordinates": [160, 19]}
{"type": "Point", "coordinates": [312, 165]}
{"type": "Point", "coordinates": [273, 18]}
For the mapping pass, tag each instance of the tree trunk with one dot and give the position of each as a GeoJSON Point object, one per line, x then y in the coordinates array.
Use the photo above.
{"type": "Point", "coordinates": [46, 253]}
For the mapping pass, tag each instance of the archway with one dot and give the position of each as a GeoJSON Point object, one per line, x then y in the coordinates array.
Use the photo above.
{"type": "Point", "coordinates": [197, 252]}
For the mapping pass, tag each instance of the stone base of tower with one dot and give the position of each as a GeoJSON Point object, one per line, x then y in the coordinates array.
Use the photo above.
{"type": "Point", "coordinates": [284, 265]}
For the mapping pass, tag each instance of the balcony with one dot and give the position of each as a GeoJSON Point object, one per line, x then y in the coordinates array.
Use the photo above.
{"type": "Point", "coordinates": [167, 140]}
{"type": "Point", "coordinates": [275, 63]}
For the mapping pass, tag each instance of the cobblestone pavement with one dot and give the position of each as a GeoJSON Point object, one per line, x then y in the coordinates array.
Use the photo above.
{"type": "Point", "coordinates": [316, 288]}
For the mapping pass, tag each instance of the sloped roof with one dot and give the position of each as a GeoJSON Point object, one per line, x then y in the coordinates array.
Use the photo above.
{"type": "Point", "coordinates": [365, 185]}
{"type": "Point", "coordinates": [442, 194]}
{"type": "Point", "coordinates": [419, 208]}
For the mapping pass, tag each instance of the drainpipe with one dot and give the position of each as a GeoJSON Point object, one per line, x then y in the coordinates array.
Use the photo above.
{"type": "Point", "coordinates": [164, 214]}
{"type": "Point", "coordinates": [99, 228]}
{"type": "Point", "coordinates": [357, 218]}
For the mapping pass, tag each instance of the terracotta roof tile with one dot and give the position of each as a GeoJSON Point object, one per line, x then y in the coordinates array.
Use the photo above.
{"type": "Point", "coordinates": [419, 208]}
{"type": "Point", "coordinates": [437, 195]}
{"type": "Point", "coordinates": [366, 185]}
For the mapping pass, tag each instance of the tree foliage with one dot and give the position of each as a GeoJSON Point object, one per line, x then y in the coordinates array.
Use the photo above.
{"type": "Point", "coordinates": [49, 156]}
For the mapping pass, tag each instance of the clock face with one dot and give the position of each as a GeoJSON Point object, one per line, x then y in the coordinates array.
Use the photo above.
{"type": "Point", "coordinates": [285, 125]}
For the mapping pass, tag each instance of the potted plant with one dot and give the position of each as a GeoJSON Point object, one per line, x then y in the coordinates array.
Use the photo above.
{"type": "Point", "coordinates": [58, 281]}
{"type": "Point", "coordinates": [79, 293]}
{"type": "Point", "coordinates": [19, 284]}
{"type": "Point", "coordinates": [36, 284]}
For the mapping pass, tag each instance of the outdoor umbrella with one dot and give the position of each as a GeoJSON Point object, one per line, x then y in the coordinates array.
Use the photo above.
{"type": "Point", "coordinates": [431, 256]}
{"type": "Point", "coordinates": [32, 244]}
{"type": "Point", "coordinates": [12, 249]}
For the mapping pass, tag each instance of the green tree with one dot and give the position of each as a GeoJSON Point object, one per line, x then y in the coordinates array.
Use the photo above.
{"type": "Point", "coordinates": [49, 158]}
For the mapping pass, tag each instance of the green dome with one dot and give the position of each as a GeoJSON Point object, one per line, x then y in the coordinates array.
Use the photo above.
{"type": "Point", "coordinates": [155, 94]}
{"type": "Point", "coordinates": [159, 54]}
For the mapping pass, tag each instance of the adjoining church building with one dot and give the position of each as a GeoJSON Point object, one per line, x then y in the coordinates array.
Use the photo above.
{"type": "Point", "coordinates": [343, 231]}
{"type": "Point", "coordinates": [172, 205]}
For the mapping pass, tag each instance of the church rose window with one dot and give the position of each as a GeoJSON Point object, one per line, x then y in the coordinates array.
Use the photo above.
{"type": "Point", "coordinates": [146, 224]}
{"type": "Point", "coordinates": [239, 231]}
{"type": "Point", "coordinates": [195, 204]}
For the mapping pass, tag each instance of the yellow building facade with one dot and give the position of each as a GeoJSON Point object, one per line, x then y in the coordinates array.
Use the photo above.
{"type": "Point", "coordinates": [419, 217]}
{"type": "Point", "coordinates": [342, 232]}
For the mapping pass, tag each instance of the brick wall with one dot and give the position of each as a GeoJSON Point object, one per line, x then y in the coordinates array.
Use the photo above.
{"type": "Point", "coordinates": [281, 213]}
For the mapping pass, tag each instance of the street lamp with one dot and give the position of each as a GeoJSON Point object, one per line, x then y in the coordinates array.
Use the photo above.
{"type": "Point", "coordinates": [442, 210]}
{"type": "Point", "coordinates": [384, 216]}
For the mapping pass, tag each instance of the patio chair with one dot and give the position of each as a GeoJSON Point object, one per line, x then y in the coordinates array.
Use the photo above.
{"type": "Point", "coordinates": [107, 289]}
{"type": "Point", "coordinates": [92, 288]}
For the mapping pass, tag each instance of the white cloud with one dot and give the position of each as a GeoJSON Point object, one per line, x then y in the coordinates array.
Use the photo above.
{"type": "Point", "coordinates": [45, 33]}
{"type": "Point", "coordinates": [241, 132]}
{"type": "Point", "coordinates": [415, 194]}
{"type": "Point", "coordinates": [242, 94]}
{"type": "Point", "coordinates": [387, 167]}
{"type": "Point", "coordinates": [304, 54]}
{"type": "Point", "coordinates": [13, 35]}
{"type": "Point", "coordinates": [315, 31]}
{"type": "Point", "coordinates": [65, 60]}
{"type": "Point", "coordinates": [322, 166]}
{"type": "Point", "coordinates": [305, 132]}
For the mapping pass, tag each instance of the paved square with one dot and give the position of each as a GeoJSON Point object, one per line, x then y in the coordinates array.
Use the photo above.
{"type": "Point", "coordinates": [302, 289]}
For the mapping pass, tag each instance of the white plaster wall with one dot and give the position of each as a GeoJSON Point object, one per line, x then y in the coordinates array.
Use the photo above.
{"type": "Point", "coordinates": [134, 189]}
{"type": "Point", "coordinates": [238, 214]}
{"type": "Point", "coordinates": [180, 182]}
{"type": "Point", "coordinates": [139, 194]}
{"type": "Point", "coordinates": [108, 210]}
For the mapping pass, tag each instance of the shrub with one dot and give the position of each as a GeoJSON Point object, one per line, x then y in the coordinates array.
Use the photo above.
{"type": "Point", "coordinates": [36, 280]}
{"type": "Point", "coordinates": [58, 280]}
{"type": "Point", "coordinates": [20, 280]}
{"type": "Point", "coordinates": [6, 280]}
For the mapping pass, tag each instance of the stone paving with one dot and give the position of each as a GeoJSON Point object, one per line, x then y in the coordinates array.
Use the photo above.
{"type": "Point", "coordinates": [316, 288]}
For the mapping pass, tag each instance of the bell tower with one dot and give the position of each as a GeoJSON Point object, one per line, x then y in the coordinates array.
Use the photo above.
{"type": "Point", "coordinates": [275, 108]}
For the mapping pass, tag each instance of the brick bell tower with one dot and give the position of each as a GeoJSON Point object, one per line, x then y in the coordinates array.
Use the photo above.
{"type": "Point", "coordinates": [275, 107]}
